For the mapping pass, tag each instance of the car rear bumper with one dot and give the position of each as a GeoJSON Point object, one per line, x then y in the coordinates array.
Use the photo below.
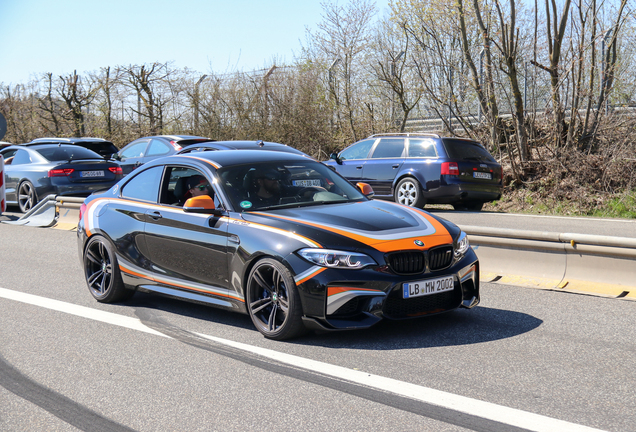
{"type": "Point", "coordinates": [456, 193]}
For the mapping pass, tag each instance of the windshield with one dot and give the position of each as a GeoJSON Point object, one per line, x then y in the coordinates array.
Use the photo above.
{"type": "Point", "coordinates": [260, 186]}
{"type": "Point", "coordinates": [65, 153]}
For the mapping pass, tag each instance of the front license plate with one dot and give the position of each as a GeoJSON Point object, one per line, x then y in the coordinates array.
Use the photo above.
{"type": "Point", "coordinates": [482, 175]}
{"type": "Point", "coordinates": [307, 183]}
{"type": "Point", "coordinates": [92, 174]}
{"type": "Point", "coordinates": [427, 287]}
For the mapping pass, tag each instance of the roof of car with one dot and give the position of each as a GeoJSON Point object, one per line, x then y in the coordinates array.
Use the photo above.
{"type": "Point", "coordinates": [240, 145]}
{"type": "Point", "coordinates": [66, 140]}
{"type": "Point", "coordinates": [178, 137]}
{"type": "Point", "coordinates": [406, 134]}
{"type": "Point", "coordinates": [231, 157]}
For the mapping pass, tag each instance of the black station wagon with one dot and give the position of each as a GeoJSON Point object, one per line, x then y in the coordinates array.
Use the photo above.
{"type": "Point", "coordinates": [420, 169]}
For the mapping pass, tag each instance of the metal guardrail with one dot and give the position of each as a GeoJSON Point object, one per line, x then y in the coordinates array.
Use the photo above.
{"type": "Point", "coordinates": [583, 263]}
{"type": "Point", "coordinates": [67, 212]}
{"type": "Point", "coordinates": [52, 211]}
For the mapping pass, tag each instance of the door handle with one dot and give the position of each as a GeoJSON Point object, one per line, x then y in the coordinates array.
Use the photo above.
{"type": "Point", "coordinates": [396, 166]}
{"type": "Point", "coordinates": [155, 215]}
{"type": "Point", "coordinates": [359, 167]}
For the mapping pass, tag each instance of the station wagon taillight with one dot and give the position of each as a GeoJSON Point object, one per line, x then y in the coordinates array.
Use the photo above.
{"type": "Point", "coordinates": [450, 168]}
{"type": "Point", "coordinates": [63, 172]}
{"type": "Point", "coordinates": [116, 170]}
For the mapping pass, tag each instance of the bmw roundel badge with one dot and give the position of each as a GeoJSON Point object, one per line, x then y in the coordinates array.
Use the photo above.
{"type": "Point", "coordinates": [419, 242]}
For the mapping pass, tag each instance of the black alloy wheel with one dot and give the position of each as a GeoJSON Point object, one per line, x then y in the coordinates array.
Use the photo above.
{"type": "Point", "coordinates": [102, 273]}
{"type": "Point", "coordinates": [409, 192]}
{"type": "Point", "coordinates": [26, 196]}
{"type": "Point", "coordinates": [273, 302]}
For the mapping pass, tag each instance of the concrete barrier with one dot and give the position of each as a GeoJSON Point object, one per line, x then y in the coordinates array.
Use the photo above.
{"type": "Point", "coordinates": [592, 264]}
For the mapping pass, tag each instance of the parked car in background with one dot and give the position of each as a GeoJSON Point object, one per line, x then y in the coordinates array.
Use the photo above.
{"type": "Point", "coordinates": [145, 149]}
{"type": "Point", "coordinates": [418, 169]}
{"type": "Point", "coordinates": [277, 236]}
{"type": "Point", "coordinates": [4, 144]}
{"type": "Point", "coordinates": [37, 170]}
{"type": "Point", "coordinates": [98, 145]}
{"type": "Point", "coordinates": [239, 145]}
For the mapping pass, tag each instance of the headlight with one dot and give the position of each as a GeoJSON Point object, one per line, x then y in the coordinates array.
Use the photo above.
{"type": "Point", "coordinates": [462, 245]}
{"type": "Point", "coordinates": [336, 259]}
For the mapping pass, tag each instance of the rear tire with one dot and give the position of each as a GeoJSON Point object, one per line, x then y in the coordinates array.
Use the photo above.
{"type": "Point", "coordinates": [102, 273]}
{"type": "Point", "coordinates": [27, 198]}
{"type": "Point", "coordinates": [409, 192]}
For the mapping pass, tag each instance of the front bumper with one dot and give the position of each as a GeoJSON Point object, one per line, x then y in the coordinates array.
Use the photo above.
{"type": "Point", "coordinates": [358, 304]}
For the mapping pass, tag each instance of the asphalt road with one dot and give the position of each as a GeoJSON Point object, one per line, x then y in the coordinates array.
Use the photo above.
{"type": "Point", "coordinates": [67, 363]}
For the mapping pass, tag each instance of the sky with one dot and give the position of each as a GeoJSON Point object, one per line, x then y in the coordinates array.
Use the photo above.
{"type": "Point", "coordinates": [60, 36]}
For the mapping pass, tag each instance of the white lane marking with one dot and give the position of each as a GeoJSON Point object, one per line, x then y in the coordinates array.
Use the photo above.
{"type": "Point", "coordinates": [487, 410]}
{"type": "Point", "coordinates": [81, 311]}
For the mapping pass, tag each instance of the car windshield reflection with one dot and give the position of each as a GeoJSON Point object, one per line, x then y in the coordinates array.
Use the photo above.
{"type": "Point", "coordinates": [283, 185]}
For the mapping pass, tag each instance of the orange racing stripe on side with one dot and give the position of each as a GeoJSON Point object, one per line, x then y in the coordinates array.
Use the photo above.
{"type": "Point", "coordinates": [317, 272]}
{"type": "Point", "coordinates": [125, 270]}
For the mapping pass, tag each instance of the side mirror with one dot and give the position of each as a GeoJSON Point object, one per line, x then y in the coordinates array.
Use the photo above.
{"type": "Point", "coordinates": [201, 204]}
{"type": "Point", "coordinates": [335, 157]}
{"type": "Point", "coordinates": [115, 156]}
{"type": "Point", "coordinates": [366, 189]}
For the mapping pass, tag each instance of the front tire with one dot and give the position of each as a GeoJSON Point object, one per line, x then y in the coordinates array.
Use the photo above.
{"type": "Point", "coordinates": [409, 192]}
{"type": "Point", "coordinates": [273, 301]}
{"type": "Point", "coordinates": [27, 198]}
{"type": "Point", "coordinates": [102, 273]}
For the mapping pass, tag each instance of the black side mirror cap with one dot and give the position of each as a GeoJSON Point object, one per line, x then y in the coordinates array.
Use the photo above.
{"type": "Point", "coordinates": [335, 157]}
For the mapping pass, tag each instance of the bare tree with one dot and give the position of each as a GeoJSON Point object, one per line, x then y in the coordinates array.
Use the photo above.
{"type": "Point", "coordinates": [508, 48]}
{"type": "Point", "coordinates": [144, 80]}
{"type": "Point", "coordinates": [390, 67]}
{"type": "Point", "coordinates": [556, 32]}
{"type": "Point", "coordinates": [344, 33]}
{"type": "Point", "coordinates": [76, 97]}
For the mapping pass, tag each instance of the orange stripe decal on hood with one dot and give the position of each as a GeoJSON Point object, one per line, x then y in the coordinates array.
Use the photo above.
{"type": "Point", "coordinates": [432, 236]}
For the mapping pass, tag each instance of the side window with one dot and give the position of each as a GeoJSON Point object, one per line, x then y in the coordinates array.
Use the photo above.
{"type": "Point", "coordinates": [357, 151]}
{"type": "Point", "coordinates": [21, 157]}
{"type": "Point", "coordinates": [389, 148]}
{"type": "Point", "coordinates": [179, 182]}
{"type": "Point", "coordinates": [157, 148]}
{"type": "Point", "coordinates": [144, 186]}
{"type": "Point", "coordinates": [136, 149]}
{"type": "Point", "coordinates": [422, 147]}
{"type": "Point", "coordinates": [8, 156]}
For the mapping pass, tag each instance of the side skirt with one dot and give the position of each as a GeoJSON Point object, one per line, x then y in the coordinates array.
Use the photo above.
{"type": "Point", "coordinates": [193, 297]}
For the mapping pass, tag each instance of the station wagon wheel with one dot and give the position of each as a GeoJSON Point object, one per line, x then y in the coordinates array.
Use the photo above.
{"type": "Point", "coordinates": [26, 196]}
{"type": "Point", "coordinates": [409, 192]}
{"type": "Point", "coordinates": [102, 273]}
{"type": "Point", "coordinates": [273, 302]}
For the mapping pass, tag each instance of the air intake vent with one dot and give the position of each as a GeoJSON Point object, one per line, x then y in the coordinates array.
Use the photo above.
{"type": "Point", "coordinates": [405, 263]}
{"type": "Point", "coordinates": [440, 258]}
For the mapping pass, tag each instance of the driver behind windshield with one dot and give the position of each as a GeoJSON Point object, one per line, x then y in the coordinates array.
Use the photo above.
{"type": "Point", "coordinates": [268, 187]}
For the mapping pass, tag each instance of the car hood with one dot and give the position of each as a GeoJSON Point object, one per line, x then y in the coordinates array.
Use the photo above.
{"type": "Point", "coordinates": [383, 225]}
